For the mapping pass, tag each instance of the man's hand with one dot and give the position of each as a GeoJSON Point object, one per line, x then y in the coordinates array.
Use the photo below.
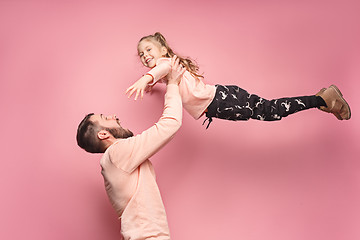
{"type": "Point", "coordinates": [177, 70]}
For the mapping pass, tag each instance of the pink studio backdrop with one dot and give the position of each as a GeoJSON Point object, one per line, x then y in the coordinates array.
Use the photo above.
{"type": "Point", "coordinates": [294, 179]}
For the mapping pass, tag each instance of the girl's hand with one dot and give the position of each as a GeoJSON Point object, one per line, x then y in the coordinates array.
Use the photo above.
{"type": "Point", "coordinates": [177, 70]}
{"type": "Point", "coordinates": [139, 87]}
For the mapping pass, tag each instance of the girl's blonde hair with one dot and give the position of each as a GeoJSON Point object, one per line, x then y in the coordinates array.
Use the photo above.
{"type": "Point", "coordinates": [189, 64]}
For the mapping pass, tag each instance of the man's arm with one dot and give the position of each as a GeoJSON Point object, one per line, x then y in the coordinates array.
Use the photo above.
{"type": "Point", "coordinates": [129, 153]}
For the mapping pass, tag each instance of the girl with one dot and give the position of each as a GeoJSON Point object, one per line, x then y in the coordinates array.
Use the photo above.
{"type": "Point", "coordinates": [224, 102]}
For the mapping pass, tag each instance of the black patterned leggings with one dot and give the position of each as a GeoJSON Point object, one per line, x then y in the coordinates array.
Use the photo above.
{"type": "Point", "coordinates": [234, 103]}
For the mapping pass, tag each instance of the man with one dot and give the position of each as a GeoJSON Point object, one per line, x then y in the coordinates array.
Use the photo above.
{"type": "Point", "coordinates": [128, 174]}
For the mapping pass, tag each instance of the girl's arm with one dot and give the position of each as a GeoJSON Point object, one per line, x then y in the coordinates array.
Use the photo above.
{"type": "Point", "coordinates": [139, 86]}
{"type": "Point", "coordinates": [161, 70]}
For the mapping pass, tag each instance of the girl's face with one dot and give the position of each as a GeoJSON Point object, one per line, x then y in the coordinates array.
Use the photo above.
{"type": "Point", "coordinates": [150, 52]}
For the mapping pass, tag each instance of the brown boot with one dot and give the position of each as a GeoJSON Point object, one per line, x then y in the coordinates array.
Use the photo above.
{"type": "Point", "coordinates": [336, 104]}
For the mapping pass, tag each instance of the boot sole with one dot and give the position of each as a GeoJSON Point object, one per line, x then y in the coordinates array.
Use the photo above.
{"type": "Point", "coordinates": [337, 90]}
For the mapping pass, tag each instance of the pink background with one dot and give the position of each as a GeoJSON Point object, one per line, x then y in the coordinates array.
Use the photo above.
{"type": "Point", "coordinates": [294, 179]}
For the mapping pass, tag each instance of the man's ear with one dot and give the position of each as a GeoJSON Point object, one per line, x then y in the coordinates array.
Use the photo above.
{"type": "Point", "coordinates": [103, 134]}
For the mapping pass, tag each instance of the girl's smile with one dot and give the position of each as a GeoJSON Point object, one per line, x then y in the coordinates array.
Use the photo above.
{"type": "Point", "coordinates": [149, 52]}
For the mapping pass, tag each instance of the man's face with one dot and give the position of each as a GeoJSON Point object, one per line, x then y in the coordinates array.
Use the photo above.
{"type": "Point", "coordinates": [107, 121]}
{"type": "Point", "coordinates": [112, 124]}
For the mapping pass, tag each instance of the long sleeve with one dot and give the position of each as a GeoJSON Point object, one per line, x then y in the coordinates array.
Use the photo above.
{"type": "Point", "coordinates": [129, 153]}
{"type": "Point", "coordinates": [162, 68]}
{"type": "Point", "coordinates": [196, 95]}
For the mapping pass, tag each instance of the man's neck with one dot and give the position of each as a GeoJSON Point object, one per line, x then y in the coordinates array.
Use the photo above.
{"type": "Point", "coordinates": [110, 141]}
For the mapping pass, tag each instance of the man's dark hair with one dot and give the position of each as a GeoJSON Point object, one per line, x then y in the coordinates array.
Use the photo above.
{"type": "Point", "coordinates": [86, 136]}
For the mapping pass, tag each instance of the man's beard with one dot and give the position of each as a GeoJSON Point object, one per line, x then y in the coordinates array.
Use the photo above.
{"type": "Point", "coordinates": [120, 132]}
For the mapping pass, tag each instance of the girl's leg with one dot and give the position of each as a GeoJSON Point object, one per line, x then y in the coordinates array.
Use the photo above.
{"type": "Point", "coordinates": [234, 103]}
